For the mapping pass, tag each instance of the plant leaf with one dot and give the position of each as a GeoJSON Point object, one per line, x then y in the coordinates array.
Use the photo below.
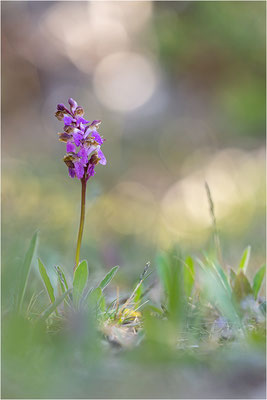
{"type": "Point", "coordinates": [96, 300]}
{"type": "Point", "coordinates": [162, 264]}
{"type": "Point", "coordinates": [222, 276]}
{"type": "Point", "coordinates": [245, 259]}
{"type": "Point", "coordinates": [110, 275]}
{"type": "Point", "coordinates": [232, 277]}
{"type": "Point", "coordinates": [54, 306]}
{"type": "Point", "coordinates": [62, 279]}
{"type": "Point", "coordinates": [189, 276]}
{"type": "Point", "coordinates": [215, 291]}
{"type": "Point", "coordinates": [25, 271]}
{"type": "Point", "coordinates": [242, 286]}
{"type": "Point", "coordinates": [79, 281]}
{"type": "Point", "coordinates": [46, 280]}
{"type": "Point", "coordinates": [257, 281]}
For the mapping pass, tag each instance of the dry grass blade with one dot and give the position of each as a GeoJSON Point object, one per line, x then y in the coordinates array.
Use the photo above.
{"type": "Point", "coordinates": [214, 224]}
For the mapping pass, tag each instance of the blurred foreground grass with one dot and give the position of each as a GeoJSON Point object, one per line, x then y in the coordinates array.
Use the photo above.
{"type": "Point", "coordinates": [197, 322]}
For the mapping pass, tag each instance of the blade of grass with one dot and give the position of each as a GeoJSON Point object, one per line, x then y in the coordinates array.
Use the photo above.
{"type": "Point", "coordinates": [46, 280]}
{"type": "Point", "coordinates": [245, 259]}
{"type": "Point", "coordinates": [214, 225]}
{"type": "Point", "coordinates": [257, 281]}
{"type": "Point", "coordinates": [53, 306]}
{"type": "Point", "coordinates": [62, 278]}
{"type": "Point", "coordinates": [189, 275]}
{"type": "Point", "coordinates": [108, 278]}
{"type": "Point", "coordinates": [25, 271]}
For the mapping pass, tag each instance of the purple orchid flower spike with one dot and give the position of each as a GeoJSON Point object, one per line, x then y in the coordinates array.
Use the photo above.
{"type": "Point", "coordinates": [83, 147]}
{"type": "Point", "coordinates": [82, 140]}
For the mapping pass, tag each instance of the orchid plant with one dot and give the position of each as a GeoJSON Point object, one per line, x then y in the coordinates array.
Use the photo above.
{"type": "Point", "coordinates": [83, 153]}
{"type": "Point", "coordinates": [83, 147]}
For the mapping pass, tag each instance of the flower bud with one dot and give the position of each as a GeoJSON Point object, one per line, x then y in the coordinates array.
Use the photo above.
{"type": "Point", "coordinates": [79, 112]}
{"type": "Point", "coordinates": [73, 105]}
{"type": "Point", "coordinates": [61, 107]}
{"type": "Point", "coordinates": [59, 115]}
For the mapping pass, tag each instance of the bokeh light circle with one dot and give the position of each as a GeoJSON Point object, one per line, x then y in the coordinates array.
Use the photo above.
{"type": "Point", "coordinates": [124, 81]}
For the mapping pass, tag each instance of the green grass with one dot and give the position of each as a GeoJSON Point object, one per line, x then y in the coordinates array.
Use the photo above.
{"type": "Point", "coordinates": [186, 314]}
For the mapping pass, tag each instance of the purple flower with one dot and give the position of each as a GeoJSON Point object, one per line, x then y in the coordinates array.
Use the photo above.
{"type": "Point", "coordinates": [83, 142]}
{"type": "Point", "coordinates": [102, 160]}
{"type": "Point", "coordinates": [70, 148]}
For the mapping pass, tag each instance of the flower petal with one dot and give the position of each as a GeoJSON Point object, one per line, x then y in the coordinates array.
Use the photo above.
{"type": "Point", "coordinates": [81, 120]}
{"type": "Point", "coordinates": [72, 172]}
{"type": "Point", "coordinates": [77, 138]}
{"type": "Point", "coordinates": [97, 137]}
{"type": "Point", "coordinates": [70, 148]}
{"type": "Point", "coordinates": [79, 169]}
{"type": "Point", "coordinates": [68, 120]}
{"type": "Point", "coordinates": [103, 159]}
{"type": "Point", "coordinates": [90, 170]}
{"type": "Point", "coordinates": [83, 156]}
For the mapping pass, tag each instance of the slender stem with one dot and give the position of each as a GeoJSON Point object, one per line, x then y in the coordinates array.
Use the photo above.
{"type": "Point", "coordinates": [80, 234]}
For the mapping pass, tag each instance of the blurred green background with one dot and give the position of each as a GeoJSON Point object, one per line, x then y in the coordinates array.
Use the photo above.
{"type": "Point", "coordinates": [180, 90]}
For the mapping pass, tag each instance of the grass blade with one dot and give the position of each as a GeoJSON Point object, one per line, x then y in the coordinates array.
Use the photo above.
{"type": "Point", "coordinates": [223, 277]}
{"type": "Point", "coordinates": [108, 278]}
{"type": "Point", "coordinates": [53, 306]}
{"type": "Point", "coordinates": [25, 271]}
{"type": "Point", "coordinates": [245, 259]}
{"type": "Point", "coordinates": [46, 280]}
{"type": "Point", "coordinates": [189, 276]}
{"type": "Point", "coordinates": [79, 281]}
{"type": "Point", "coordinates": [62, 279]}
{"type": "Point", "coordinates": [257, 281]}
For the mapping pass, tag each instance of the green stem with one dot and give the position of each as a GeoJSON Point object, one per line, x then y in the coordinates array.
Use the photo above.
{"type": "Point", "coordinates": [80, 234]}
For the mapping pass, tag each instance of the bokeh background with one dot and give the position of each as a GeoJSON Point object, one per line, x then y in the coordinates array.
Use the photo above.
{"type": "Point", "coordinates": [180, 90]}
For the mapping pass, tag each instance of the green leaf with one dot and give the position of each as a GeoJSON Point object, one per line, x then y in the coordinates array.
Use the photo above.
{"type": "Point", "coordinates": [242, 286]}
{"type": "Point", "coordinates": [163, 270]}
{"type": "Point", "coordinates": [46, 280]}
{"type": "Point", "coordinates": [214, 290]}
{"type": "Point", "coordinates": [189, 276]}
{"type": "Point", "coordinates": [245, 259]}
{"type": "Point", "coordinates": [138, 294]}
{"type": "Point", "coordinates": [62, 279]}
{"type": "Point", "coordinates": [257, 281]}
{"type": "Point", "coordinates": [54, 306]}
{"type": "Point", "coordinates": [232, 277]}
{"type": "Point", "coordinates": [95, 295]}
{"type": "Point", "coordinates": [25, 271]}
{"type": "Point", "coordinates": [110, 275]}
{"type": "Point", "coordinates": [222, 276]}
{"type": "Point", "coordinates": [153, 309]}
{"type": "Point", "coordinates": [80, 281]}
{"type": "Point", "coordinates": [96, 299]}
